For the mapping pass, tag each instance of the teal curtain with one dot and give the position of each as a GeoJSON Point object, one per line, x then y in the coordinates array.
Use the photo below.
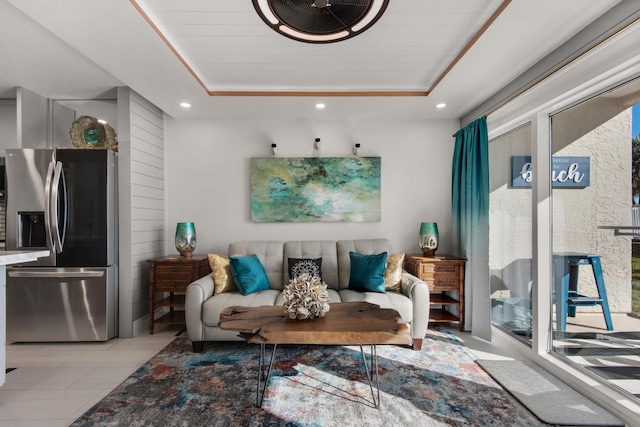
{"type": "Point", "coordinates": [470, 222]}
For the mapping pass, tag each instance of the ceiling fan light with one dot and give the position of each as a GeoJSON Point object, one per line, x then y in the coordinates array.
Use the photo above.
{"type": "Point", "coordinates": [266, 11]}
{"type": "Point", "coordinates": [313, 37]}
{"type": "Point", "coordinates": [370, 17]}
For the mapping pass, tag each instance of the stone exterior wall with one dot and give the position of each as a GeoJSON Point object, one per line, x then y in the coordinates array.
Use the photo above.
{"type": "Point", "coordinates": [578, 214]}
{"type": "Point", "coordinates": [510, 240]}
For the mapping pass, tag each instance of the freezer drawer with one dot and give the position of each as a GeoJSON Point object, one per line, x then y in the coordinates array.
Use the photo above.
{"type": "Point", "coordinates": [61, 304]}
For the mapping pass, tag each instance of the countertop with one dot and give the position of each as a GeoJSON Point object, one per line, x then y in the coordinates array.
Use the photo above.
{"type": "Point", "coordinates": [16, 257]}
{"type": "Point", "coordinates": [7, 258]}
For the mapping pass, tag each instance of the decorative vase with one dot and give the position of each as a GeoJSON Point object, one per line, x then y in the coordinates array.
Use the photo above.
{"type": "Point", "coordinates": [186, 238]}
{"type": "Point", "coordinates": [428, 238]}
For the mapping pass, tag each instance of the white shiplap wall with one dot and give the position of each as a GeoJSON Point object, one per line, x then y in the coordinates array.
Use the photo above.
{"type": "Point", "coordinates": [142, 200]}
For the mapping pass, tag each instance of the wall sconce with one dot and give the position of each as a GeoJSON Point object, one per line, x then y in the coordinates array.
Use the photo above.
{"type": "Point", "coordinates": [355, 148]}
{"type": "Point", "coordinates": [274, 148]}
{"type": "Point", "coordinates": [316, 147]}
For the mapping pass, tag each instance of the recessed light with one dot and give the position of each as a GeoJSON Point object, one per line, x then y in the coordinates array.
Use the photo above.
{"type": "Point", "coordinates": [441, 105]}
{"type": "Point", "coordinates": [320, 106]}
{"type": "Point", "coordinates": [185, 105]}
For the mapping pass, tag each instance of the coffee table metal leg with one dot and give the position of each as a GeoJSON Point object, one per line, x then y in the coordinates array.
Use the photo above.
{"type": "Point", "coordinates": [372, 373]}
{"type": "Point", "coordinates": [263, 373]}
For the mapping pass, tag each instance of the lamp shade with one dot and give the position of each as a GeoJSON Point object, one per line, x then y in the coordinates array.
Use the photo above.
{"type": "Point", "coordinates": [428, 238]}
{"type": "Point", "coordinates": [186, 238]}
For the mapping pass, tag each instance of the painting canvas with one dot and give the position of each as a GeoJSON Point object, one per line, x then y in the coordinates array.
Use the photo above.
{"type": "Point", "coordinates": [315, 189]}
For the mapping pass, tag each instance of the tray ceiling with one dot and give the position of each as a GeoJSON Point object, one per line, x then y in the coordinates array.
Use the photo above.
{"type": "Point", "coordinates": [215, 53]}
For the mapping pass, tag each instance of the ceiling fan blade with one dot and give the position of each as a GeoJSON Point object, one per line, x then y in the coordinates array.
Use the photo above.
{"type": "Point", "coordinates": [363, 3]}
{"type": "Point", "coordinates": [306, 16]}
{"type": "Point", "coordinates": [336, 16]}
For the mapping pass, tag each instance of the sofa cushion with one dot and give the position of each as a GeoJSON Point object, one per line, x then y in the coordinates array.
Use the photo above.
{"type": "Point", "coordinates": [298, 266]}
{"type": "Point", "coordinates": [363, 246]}
{"type": "Point", "coordinates": [325, 249]}
{"type": "Point", "coordinates": [270, 254]}
{"type": "Point", "coordinates": [221, 274]}
{"type": "Point", "coordinates": [248, 274]}
{"type": "Point", "coordinates": [393, 272]}
{"type": "Point", "coordinates": [212, 307]}
{"type": "Point", "coordinates": [393, 300]}
{"type": "Point", "coordinates": [367, 272]}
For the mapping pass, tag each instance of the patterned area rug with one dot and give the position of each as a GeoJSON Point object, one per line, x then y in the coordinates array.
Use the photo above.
{"type": "Point", "coordinates": [310, 386]}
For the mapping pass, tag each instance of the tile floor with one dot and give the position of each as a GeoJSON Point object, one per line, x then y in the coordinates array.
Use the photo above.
{"type": "Point", "coordinates": [53, 384]}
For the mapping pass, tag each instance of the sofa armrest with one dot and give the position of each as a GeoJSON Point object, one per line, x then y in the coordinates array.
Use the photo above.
{"type": "Point", "coordinates": [418, 292]}
{"type": "Point", "coordinates": [197, 293]}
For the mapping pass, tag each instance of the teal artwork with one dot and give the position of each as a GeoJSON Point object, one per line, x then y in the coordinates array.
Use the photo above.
{"type": "Point", "coordinates": [315, 189]}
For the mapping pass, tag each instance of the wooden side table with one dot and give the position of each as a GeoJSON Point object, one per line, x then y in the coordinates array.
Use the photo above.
{"type": "Point", "coordinates": [443, 274]}
{"type": "Point", "coordinates": [172, 275]}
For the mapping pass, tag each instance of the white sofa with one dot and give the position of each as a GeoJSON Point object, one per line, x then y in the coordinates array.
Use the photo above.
{"type": "Point", "coordinates": [203, 308]}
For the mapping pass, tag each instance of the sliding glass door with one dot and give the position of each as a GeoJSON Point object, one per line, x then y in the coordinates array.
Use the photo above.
{"type": "Point", "coordinates": [510, 247]}
{"type": "Point", "coordinates": [593, 239]}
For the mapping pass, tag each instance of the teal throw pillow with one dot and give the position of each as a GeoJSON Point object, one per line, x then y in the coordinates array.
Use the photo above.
{"type": "Point", "coordinates": [367, 272]}
{"type": "Point", "coordinates": [248, 274]}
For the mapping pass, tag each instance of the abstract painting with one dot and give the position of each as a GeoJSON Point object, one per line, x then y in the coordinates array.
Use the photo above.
{"type": "Point", "coordinates": [315, 189]}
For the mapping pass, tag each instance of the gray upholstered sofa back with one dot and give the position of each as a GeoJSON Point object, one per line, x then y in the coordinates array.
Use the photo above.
{"type": "Point", "coordinates": [336, 264]}
{"type": "Point", "coordinates": [270, 254]}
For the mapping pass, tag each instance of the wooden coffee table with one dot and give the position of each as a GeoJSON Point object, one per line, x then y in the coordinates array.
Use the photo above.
{"type": "Point", "coordinates": [347, 323]}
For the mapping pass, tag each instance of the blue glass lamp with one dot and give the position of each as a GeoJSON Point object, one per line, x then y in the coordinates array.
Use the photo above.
{"type": "Point", "coordinates": [428, 238]}
{"type": "Point", "coordinates": [186, 238]}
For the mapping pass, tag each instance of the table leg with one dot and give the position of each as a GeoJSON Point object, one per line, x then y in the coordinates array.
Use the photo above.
{"type": "Point", "coordinates": [264, 373]}
{"type": "Point", "coordinates": [372, 373]}
{"type": "Point", "coordinates": [602, 291]}
{"type": "Point", "coordinates": [561, 290]}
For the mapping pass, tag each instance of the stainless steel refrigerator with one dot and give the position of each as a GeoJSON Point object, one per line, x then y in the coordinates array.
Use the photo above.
{"type": "Point", "coordinates": [63, 200]}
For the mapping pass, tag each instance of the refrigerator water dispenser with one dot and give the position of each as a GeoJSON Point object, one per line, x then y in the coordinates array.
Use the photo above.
{"type": "Point", "coordinates": [31, 230]}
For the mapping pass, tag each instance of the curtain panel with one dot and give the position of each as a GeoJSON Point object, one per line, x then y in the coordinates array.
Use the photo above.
{"type": "Point", "coordinates": [470, 222]}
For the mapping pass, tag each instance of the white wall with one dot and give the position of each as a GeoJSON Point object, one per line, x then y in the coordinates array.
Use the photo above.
{"type": "Point", "coordinates": [8, 125]}
{"type": "Point", "coordinates": [208, 178]}
{"type": "Point", "coordinates": [32, 118]}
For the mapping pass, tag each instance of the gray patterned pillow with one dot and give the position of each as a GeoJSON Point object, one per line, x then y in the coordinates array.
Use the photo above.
{"type": "Point", "coordinates": [298, 266]}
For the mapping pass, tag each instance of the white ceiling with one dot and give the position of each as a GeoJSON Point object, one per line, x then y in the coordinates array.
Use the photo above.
{"type": "Point", "coordinates": [67, 49]}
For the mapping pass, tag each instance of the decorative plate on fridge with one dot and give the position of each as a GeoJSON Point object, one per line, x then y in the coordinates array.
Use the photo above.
{"type": "Point", "coordinates": [88, 132]}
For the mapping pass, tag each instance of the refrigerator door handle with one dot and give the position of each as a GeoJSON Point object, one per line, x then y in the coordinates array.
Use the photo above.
{"type": "Point", "coordinates": [47, 205]}
{"type": "Point", "coordinates": [53, 208]}
{"type": "Point", "coordinates": [55, 274]}
{"type": "Point", "coordinates": [66, 207]}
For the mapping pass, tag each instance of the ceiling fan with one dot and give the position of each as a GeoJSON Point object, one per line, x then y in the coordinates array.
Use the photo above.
{"type": "Point", "coordinates": [320, 21]}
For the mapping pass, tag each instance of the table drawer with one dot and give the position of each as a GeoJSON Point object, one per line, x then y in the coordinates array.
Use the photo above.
{"type": "Point", "coordinates": [437, 268]}
{"type": "Point", "coordinates": [173, 271]}
{"type": "Point", "coordinates": [443, 284]}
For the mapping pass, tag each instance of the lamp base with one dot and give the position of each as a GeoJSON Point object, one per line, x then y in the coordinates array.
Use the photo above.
{"type": "Point", "coordinates": [428, 252]}
{"type": "Point", "coordinates": [186, 254]}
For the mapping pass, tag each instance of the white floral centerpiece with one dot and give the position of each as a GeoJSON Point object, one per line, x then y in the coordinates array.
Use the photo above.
{"type": "Point", "coordinates": [306, 297]}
